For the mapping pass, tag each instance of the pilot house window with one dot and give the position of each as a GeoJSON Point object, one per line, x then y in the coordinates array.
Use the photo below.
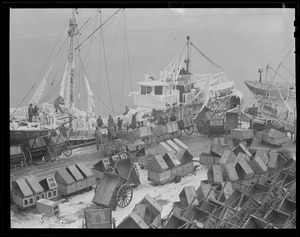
{"type": "Point", "coordinates": [149, 90]}
{"type": "Point", "coordinates": [158, 90]}
{"type": "Point", "coordinates": [143, 90]}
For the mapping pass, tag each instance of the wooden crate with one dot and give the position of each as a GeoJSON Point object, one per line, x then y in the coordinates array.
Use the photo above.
{"type": "Point", "coordinates": [133, 221]}
{"type": "Point", "coordinates": [159, 178]}
{"type": "Point", "coordinates": [242, 156]}
{"type": "Point", "coordinates": [127, 172]}
{"type": "Point", "coordinates": [230, 172]}
{"type": "Point", "coordinates": [274, 133]}
{"type": "Point", "coordinates": [187, 168]}
{"type": "Point", "coordinates": [100, 167]}
{"type": "Point", "coordinates": [176, 171]}
{"type": "Point", "coordinates": [76, 175]}
{"type": "Point", "coordinates": [274, 141]}
{"type": "Point", "coordinates": [215, 174]}
{"type": "Point", "coordinates": [180, 144]}
{"type": "Point", "coordinates": [217, 150]}
{"type": "Point", "coordinates": [276, 160]}
{"type": "Point", "coordinates": [145, 131]}
{"type": "Point", "coordinates": [188, 196]}
{"type": "Point", "coordinates": [87, 174]}
{"type": "Point", "coordinates": [242, 133]}
{"type": "Point", "coordinates": [207, 160]}
{"type": "Point", "coordinates": [50, 187]}
{"type": "Point", "coordinates": [258, 166]}
{"type": "Point", "coordinates": [227, 157]}
{"type": "Point", "coordinates": [143, 211]}
{"type": "Point", "coordinates": [171, 160]}
{"type": "Point", "coordinates": [21, 194]}
{"type": "Point", "coordinates": [35, 187]}
{"type": "Point", "coordinates": [66, 184]}
{"type": "Point", "coordinates": [172, 127]}
{"type": "Point", "coordinates": [243, 149]}
{"type": "Point", "coordinates": [163, 148]}
{"type": "Point", "coordinates": [244, 170]}
{"type": "Point", "coordinates": [154, 207]}
{"type": "Point", "coordinates": [47, 207]}
{"type": "Point", "coordinates": [172, 144]}
{"type": "Point", "coordinates": [204, 190]}
{"type": "Point", "coordinates": [207, 147]}
{"type": "Point", "coordinates": [98, 218]}
{"type": "Point", "coordinates": [262, 154]}
{"type": "Point", "coordinates": [157, 164]}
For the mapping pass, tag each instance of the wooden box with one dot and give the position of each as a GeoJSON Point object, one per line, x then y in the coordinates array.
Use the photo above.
{"type": "Point", "coordinates": [100, 167]}
{"type": "Point", "coordinates": [177, 171]}
{"type": "Point", "coordinates": [163, 148]}
{"type": "Point", "coordinates": [222, 141]}
{"type": "Point", "coordinates": [204, 190]}
{"type": "Point", "coordinates": [207, 160]}
{"type": "Point", "coordinates": [241, 133]}
{"type": "Point", "coordinates": [126, 171]}
{"type": "Point", "coordinates": [157, 164]}
{"type": "Point", "coordinates": [187, 168]}
{"type": "Point", "coordinates": [207, 147]}
{"type": "Point", "coordinates": [188, 196]}
{"type": "Point", "coordinates": [47, 207]}
{"type": "Point", "coordinates": [276, 160]}
{"type": "Point", "coordinates": [143, 211]}
{"type": "Point", "coordinates": [242, 156]}
{"type": "Point", "coordinates": [154, 207]}
{"type": "Point", "coordinates": [144, 160]}
{"type": "Point", "coordinates": [243, 149]}
{"type": "Point", "coordinates": [98, 218]}
{"type": "Point", "coordinates": [217, 150]}
{"type": "Point", "coordinates": [173, 145]}
{"type": "Point", "coordinates": [274, 133]}
{"type": "Point", "coordinates": [50, 187]}
{"type": "Point", "coordinates": [258, 166]}
{"type": "Point", "coordinates": [21, 193]}
{"type": "Point", "coordinates": [172, 127]}
{"type": "Point", "coordinates": [35, 187]}
{"type": "Point", "coordinates": [87, 174]}
{"type": "Point", "coordinates": [159, 178]}
{"type": "Point", "coordinates": [244, 170]}
{"type": "Point", "coordinates": [66, 184]}
{"type": "Point", "coordinates": [227, 157]}
{"type": "Point", "coordinates": [180, 144]}
{"type": "Point", "coordinates": [76, 175]}
{"type": "Point", "coordinates": [171, 160]}
{"type": "Point", "coordinates": [145, 131]}
{"type": "Point", "coordinates": [215, 174]}
{"type": "Point", "coordinates": [274, 141]}
{"type": "Point", "coordinates": [262, 154]}
{"type": "Point", "coordinates": [230, 172]}
{"type": "Point", "coordinates": [133, 221]}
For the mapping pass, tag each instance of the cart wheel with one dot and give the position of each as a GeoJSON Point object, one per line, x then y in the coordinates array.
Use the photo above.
{"type": "Point", "coordinates": [233, 222]}
{"type": "Point", "coordinates": [235, 142]}
{"type": "Point", "coordinates": [249, 142]}
{"type": "Point", "coordinates": [68, 149]}
{"type": "Point", "coordinates": [177, 179]}
{"type": "Point", "coordinates": [189, 131]}
{"type": "Point", "coordinates": [51, 153]}
{"type": "Point", "coordinates": [148, 140]}
{"type": "Point", "coordinates": [124, 195]}
{"type": "Point", "coordinates": [28, 156]}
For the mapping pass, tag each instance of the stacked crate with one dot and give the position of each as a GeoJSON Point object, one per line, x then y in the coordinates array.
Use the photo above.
{"type": "Point", "coordinates": [47, 207]}
{"type": "Point", "coordinates": [274, 137]}
{"type": "Point", "coordinates": [36, 188]}
{"type": "Point", "coordinates": [87, 174]}
{"type": "Point", "coordinates": [76, 175]}
{"type": "Point", "coordinates": [66, 184]}
{"type": "Point", "coordinates": [50, 187]}
{"type": "Point", "coordinates": [21, 194]}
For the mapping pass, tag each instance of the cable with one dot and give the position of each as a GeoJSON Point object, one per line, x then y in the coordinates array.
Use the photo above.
{"type": "Point", "coordinates": [281, 51]}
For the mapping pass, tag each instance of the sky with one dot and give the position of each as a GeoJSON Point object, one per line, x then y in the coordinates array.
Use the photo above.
{"type": "Point", "coordinates": [239, 40]}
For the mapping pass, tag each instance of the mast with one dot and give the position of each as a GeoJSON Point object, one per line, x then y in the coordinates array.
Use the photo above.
{"type": "Point", "coordinates": [72, 32]}
{"type": "Point", "coordinates": [187, 61]}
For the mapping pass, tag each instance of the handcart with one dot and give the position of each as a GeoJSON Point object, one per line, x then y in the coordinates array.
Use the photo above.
{"type": "Point", "coordinates": [187, 125]}
{"type": "Point", "coordinates": [240, 135]}
{"type": "Point", "coordinates": [113, 189]}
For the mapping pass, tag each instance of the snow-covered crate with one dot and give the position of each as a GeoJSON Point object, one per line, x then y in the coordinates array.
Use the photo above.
{"type": "Point", "coordinates": [215, 174]}
{"type": "Point", "coordinates": [47, 207]}
{"type": "Point", "coordinates": [244, 170]}
{"type": "Point", "coordinates": [275, 133]}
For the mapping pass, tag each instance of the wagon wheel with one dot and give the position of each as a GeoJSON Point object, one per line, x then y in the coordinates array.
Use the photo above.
{"type": "Point", "coordinates": [148, 140]}
{"type": "Point", "coordinates": [177, 179]}
{"type": "Point", "coordinates": [235, 142]}
{"type": "Point", "coordinates": [124, 195]}
{"type": "Point", "coordinates": [28, 156]}
{"type": "Point", "coordinates": [51, 153]}
{"type": "Point", "coordinates": [67, 149]}
{"type": "Point", "coordinates": [249, 142]}
{"type": "Point", "coordinates": [233, 222]}
{"type": "Point", "coordinates": [189, 131]}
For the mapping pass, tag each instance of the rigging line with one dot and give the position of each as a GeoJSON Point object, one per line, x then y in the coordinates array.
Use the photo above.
{"type": "Point", "coordinates": [276, 73]}
{"type": "Point", "coordinates": [206, 57]}
{"type": "Point", "coordinates": [105, 63]}
{"type": "Point", "coordinates": [129, 70]}
{"type": "Point", "coordinates": [98, 28]}
{"type": "Point", "coordinates": [281, 51]}
{"type": "Point", "coordinates": [100, 20]}
{"type": "Point", "coordinates": [287, 70]}
{"type": "Point", "coordinates": [123, 69]}
{"type": "Point", "coordinates": [39, 73]}
{"type": "Point", "coordinates": [88, 20]}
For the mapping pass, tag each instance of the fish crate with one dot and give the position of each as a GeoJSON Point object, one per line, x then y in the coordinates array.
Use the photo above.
{"type": "Point", "coordinates": [242, 133]}
{"type": "Point", "coordinates": [133, 221]}
{"type": "Point", "coordinates": [47, 207]}
{"type": "Point", "coordinates": [207, 160]}
{"type": "Point", "coordinates": [287, 205]}
{"type": "Point", "coordinates": [22, 195]}
{"type": "Point", "coordinates": [154, 207]}
{"type": "Point", "coordinates": [157, 164]}
{"type": "Point", "coordinates": [188, 196]}
{"type": "Point", "coordinates": [126, 169]}
{"type": "Point", "coordinates": [207, 147]}
{"type": "Point", "coordinates": [171, 160]}
{"type": "Point", "coordinates": [35, 187]}
{"type": "Point", "coordinates": [50, 187]}
{"type": "Point", "coordinates": [254, 222]}
{"type": "Point", "coordinates": [87, 174]}
{"type": "Point", "coordinates": [98, 218]}
{"type": "Point", "coordinates": [244, 170]}
{"type": "Point", "coordinates": [100, 167]}
{"type": "Point", "coordinates": [274, 141]}
{"type": "Point", "coordinates": [66, 184]}
{"type": "Point", "coordinates": [277, 217]}
{"type": "Point", "coordinates": [144, 160]}
{"type": "Point", "coordinates": [175, 222]}
{"type": "Point", "coordinates": [77, 176]}
{"type": "Point", "coordinates": [159, 178]}
{"type": "Point", "coordinates": [215, 174]}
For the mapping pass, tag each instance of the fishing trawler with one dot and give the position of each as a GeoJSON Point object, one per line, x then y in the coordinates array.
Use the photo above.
{"type": "Point", "coordinates": [274, 102]}
{"type": "Point", "coordinates": [81, 123]}
{"type": "Point", "coordinates": [178, 87]}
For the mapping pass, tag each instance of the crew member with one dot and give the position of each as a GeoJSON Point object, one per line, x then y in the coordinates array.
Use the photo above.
{"type": "Point", "coordinates": [57, 103]}
{"type": "Point", "coordinates": [99, 122]}
{"type": "Point", "coordinates": [98, 135]}
{"type": "Point", "coordinates": [30, 113]}
{"type": "Point", "coordinates": [120, 121]}
{"type": "Point", "coordinates": [133, 121]}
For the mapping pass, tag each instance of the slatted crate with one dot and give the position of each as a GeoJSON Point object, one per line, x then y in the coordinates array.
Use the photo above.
{"type": "Point", "coordinates": [87, 174]}
{"type": "Point", "coordinates": [66, 184]}
{"type": "Point", "coordinates": [47, 207]}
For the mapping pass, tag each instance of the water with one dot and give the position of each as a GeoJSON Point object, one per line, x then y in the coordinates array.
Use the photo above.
{"type": "Point", "coordinates": [239, 40]}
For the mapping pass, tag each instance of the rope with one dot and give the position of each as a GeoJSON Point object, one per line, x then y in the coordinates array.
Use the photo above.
{"type": "Point", "coordinates": [276, 73]}
{"type": "Point", "coordinates": [207, 57]}
{"type": "Point", "coordinates": [100, 27]}
{"type": "Point", "coordinates": [39, 73]}
{"type": "Point", "coordinates": [123, 70]}
{"type": "Point", "coordinates": [125, 30]}
{"type": "Point", "coordinates": [287, 70]}
{"type": "Point", "coordinates": [281, 51]}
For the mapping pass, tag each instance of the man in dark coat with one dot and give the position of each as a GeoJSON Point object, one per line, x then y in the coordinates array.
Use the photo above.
{"type": "Point", "coordinates": [161, 121]}
{"type": "Point", "coordinates": [133, 121]}
{"type": "Point", "coordinates": [120, 121]}
{"type": "Point", "coordinates": [99, 122]}
{"type": "Point", "coordinates": [57, 103]}
{"type": "Point", "coordinates": [30, 113]}
{"type": "Point", "coordinates": [173, 117]}
{"type": "Point", "coordinates": [98, 135]}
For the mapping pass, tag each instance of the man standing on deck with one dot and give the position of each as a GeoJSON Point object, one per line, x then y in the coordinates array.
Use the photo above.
{"type": "Point", "coordinates": [30, 113]}
{"type": "Point", "coordinates": [98, 135]}
{"type": "Point", "coordinates": [120, 123]}
{"type": "Point", "coordinates": [57, 103]}
{"type": "Point", "coordinates": [99, 122]}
